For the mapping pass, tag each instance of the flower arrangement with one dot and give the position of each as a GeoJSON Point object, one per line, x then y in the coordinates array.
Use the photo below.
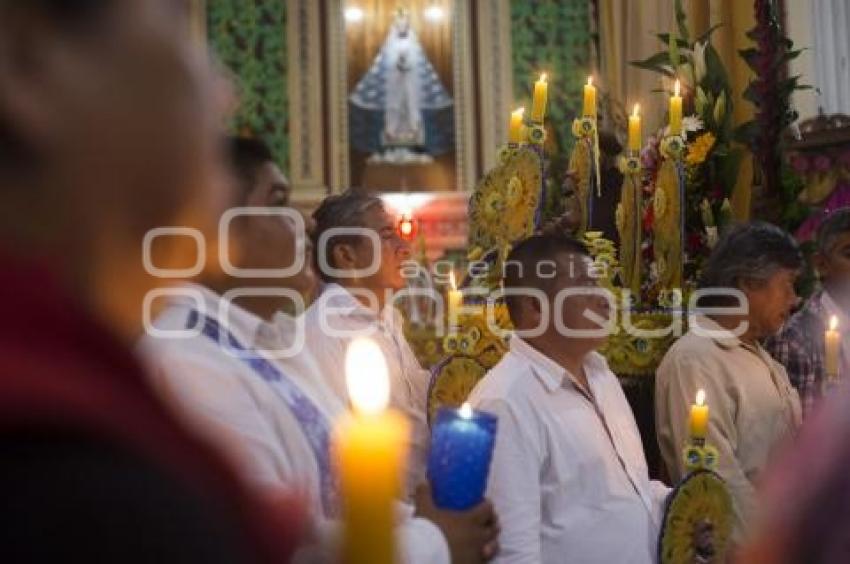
{"type": "Point", "coordinates": [707, 149]}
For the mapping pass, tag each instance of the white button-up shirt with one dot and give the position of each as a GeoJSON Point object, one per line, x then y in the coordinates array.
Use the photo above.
{"type": "Point", "coordinates": [268, 414]}
{"type": "Point", "coordinates": [569, 479]}
{"type": "Point", "coordinates": [332, 322]}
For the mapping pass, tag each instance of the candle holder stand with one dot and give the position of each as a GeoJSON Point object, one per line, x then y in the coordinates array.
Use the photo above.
{"type": "Point", "coordinates": [584, 167]}
{"type": "Point", "coordinates": [629, 224]}
{"type": "Point", "coordinates": [697, 525]}
{"type": "Point", "coordinates": [668, 207]}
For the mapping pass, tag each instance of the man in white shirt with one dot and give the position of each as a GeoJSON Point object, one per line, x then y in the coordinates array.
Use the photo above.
{"type": "Point", "coordinates": [232, 376]}
{"type": "Point", "coordinates": [568, 477]}
{"type": "Point", "coordinates": [357, 300]}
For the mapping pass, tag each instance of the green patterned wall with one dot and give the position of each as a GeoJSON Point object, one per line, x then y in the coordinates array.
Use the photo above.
{"type": "Point", "coordinates": [552, 36]}
{"type": "Point", "coordinates": [249, 36]}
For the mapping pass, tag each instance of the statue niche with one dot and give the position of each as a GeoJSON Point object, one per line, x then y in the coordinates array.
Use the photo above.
{"type": "Point", "coordinates": [399, 112]}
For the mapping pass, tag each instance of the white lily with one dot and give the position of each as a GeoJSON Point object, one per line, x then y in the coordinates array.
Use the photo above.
{"type": "Point", "coordinates": [700, 69]}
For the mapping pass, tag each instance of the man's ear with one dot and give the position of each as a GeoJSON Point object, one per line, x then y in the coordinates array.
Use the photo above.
{"type": "Point", "coordinates": [343, 256]}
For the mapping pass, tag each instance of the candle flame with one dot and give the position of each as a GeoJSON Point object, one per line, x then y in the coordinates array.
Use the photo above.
{"type": "Point", "coordinates": [701, 397]}
{"type": "Point", "coordinates": [452, 280]}
{"type": "Point", "coordinates": [366, 376]}
{"type": "Point", "coordinates": [636, 110]}
{"type": "Point", "coordinates": [677, 88]}
{"type": "Point", "coordinates": [465, 410]}
{"type": "Point", "coordinates": [519, 112]}
{"type": "Point", "coordinates": [543, 77]}
{"type": "Point", "coordinates": [590, 81]}
{"type": "Point", "coordinates": [833, 323]}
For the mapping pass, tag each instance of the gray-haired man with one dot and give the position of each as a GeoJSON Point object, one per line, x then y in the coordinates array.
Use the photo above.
{"type": "Point", "coordinates": [753, 405]}
{"type": "Point", "coordinates": [360, 258]}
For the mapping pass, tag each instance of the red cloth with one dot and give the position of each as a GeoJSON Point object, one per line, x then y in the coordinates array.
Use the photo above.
{"type": "Point", "coordinates": [60, 372]}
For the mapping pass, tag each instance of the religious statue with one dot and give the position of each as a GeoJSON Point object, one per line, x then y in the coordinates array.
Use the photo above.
{"type": "Point", "coordinates": [400, 112]}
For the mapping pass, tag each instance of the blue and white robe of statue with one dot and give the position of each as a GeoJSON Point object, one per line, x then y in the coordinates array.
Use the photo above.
{"type": "Point", "coordinates": [400, 101]}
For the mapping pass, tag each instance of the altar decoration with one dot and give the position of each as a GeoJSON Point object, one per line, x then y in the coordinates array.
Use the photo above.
{"type": "Point", "coordinates": [689, 166]}
{"type": "Point", "coordinates": [470, 349]}
{"type": "Point", "coordinates": [459, 461]}
{"type": "Point", "coordinates": [697, 524]}
{"type": "Point", "coordinates": [584, 159]}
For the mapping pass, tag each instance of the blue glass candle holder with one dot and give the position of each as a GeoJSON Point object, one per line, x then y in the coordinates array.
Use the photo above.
{"type": "Point", "coordinates": [459, 462]}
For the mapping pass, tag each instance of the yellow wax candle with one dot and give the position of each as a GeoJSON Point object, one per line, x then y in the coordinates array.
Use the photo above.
{"type": "Point", "coordinates": [699, 417]}
{"type": "Point", "coordinates": [515, 128]}
{"type": "Point", "coordinates": [832, 340]}
{"type": "Point", "coordinates": [538, 100]}
{"type": "Point", "coordinates": [455, 300]}
{"type": "Point", "coordinates": [676, 110]}
{"type": "Point", "coordinates": [634, 129]}
{"type": "Point", "coordinates": [370, 445]}
{"type": "Point", "coordinates": [589, 109]}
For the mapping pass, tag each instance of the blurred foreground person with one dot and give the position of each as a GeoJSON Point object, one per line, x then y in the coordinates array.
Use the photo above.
{"type": "Point", "coordinates": [247, 380]}
{"type": "Point", "coordinates": [109, 120]}
{"type": "Point", "coordinates": [804, 512]}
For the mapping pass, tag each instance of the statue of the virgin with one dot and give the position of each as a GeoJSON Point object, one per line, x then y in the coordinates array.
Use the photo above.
{"type": "Point", "coordinates": [400, 111]}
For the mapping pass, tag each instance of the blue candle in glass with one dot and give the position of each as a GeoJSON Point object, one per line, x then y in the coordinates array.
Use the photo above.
{"type": "Point", "coordinates": [459, 462]}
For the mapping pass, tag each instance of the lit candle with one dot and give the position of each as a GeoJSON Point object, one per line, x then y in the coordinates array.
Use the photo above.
{"type": "Point", "coordinates": [676, 110]}
{"type": "Point", "coordinates": [634, 129]}
{"type": "Point", "coordinates": [538, 100]}
{"type": "Point", "coordinates": [515, 128]}
{"type": "Point", "coordinates": [589, 109]}
{"type": "Point", "coordinates": [832, 340]}
{"type": "Point", "coordinates": [455, 300]}
{"type": "Point", "coordinates": [371, 449]}
{"type": "Point", "coordinates": [459, 462]}
{"type": "Point", "coordinates": [699, 417]}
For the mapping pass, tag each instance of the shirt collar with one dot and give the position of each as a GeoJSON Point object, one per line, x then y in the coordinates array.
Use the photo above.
{"type": "Point", "coordinates": [345, 303]}
{"type": "Point", "coordinates": [550, 373]}
{"type": "Point", "coordinates": [230, 315]}
{"type": "Point", "coordinates": [724, 338]}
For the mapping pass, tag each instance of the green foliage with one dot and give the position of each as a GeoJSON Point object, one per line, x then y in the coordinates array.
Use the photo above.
{"type": "Point", "coordinates": [770, 92]}
{"type": "Point", "coordinates": [552, 36]}
{"type": "Point", "coordinates": [249, 37]}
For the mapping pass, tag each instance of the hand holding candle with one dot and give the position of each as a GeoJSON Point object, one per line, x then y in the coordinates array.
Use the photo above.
{"type": "Point", "coordinates": [699, 417]}
{"type": "Point", "coordinates": [371, 449]}
{"type": "Point", "coordinates": [634, 129]}
{"type": "Point", "coordinates": [832, 341]}
{"type": "Point", "coordinates": [538, 100]}
{"type": "Point", "coordinates": [676, 110]}
{"type": "Point", "coordinates": [589, 109]}
{"type": "Point", "coordinates": [516, 126]}
{"type": "Point", "coordinates": [459, 463]}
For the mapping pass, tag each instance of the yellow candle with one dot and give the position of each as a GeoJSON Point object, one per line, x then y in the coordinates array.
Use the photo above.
{"type": "Point", "coordinates": [538, 100]}
{"type": "Point", "coordinates": [515, 128]}
{"type": "Point", "coordinates": [634, 129]}
{"type": "Point", "coordinates": [455, 300]}
{"type": "Point", "coordinates": [832, 339]}
{"type": "Point", "coordinates": [676, 110]}
{"type": "Point", "coordinates": [699, 417]}
{"type": "Point", "coordinates": [589, 109]}
{"type": "Point", "coordinates": [370, 445]}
